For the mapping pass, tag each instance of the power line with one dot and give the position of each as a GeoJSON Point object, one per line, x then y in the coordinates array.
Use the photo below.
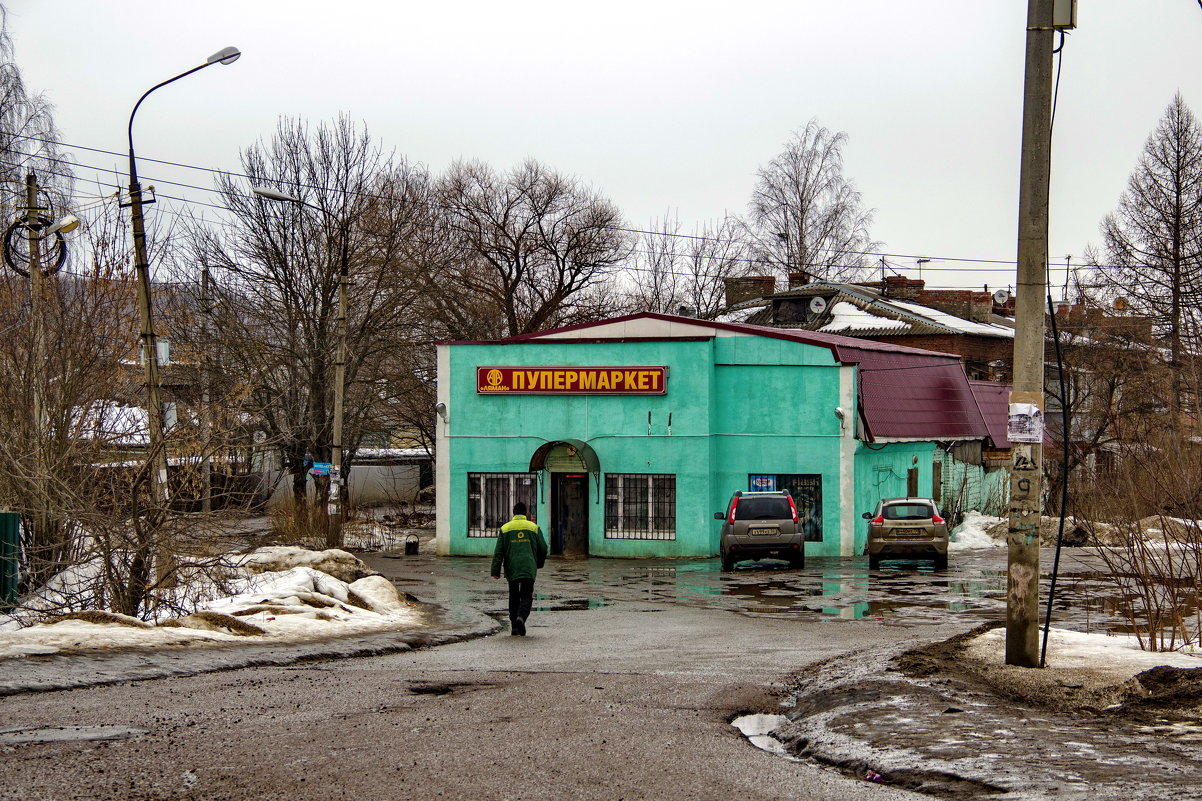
{"type": "Point", "coordinates": [1010, 263]}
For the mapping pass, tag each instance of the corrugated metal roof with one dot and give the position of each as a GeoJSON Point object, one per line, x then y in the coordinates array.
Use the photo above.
{"type": "Point", "coordinates": [993, 400]}
{"type": "Point", "coordinates": [904, 393]}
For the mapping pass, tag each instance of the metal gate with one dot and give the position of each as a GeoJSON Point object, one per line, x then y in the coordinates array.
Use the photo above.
{"type": "Point", "coordinates": [10, 550]}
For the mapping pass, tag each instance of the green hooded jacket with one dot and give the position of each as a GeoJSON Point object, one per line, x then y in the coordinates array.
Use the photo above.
{"type": "Point", "coordinates": [521, 548]}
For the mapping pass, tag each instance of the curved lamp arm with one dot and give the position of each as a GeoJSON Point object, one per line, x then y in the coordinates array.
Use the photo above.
{"type": "Point", "coordinates": [226, 55]}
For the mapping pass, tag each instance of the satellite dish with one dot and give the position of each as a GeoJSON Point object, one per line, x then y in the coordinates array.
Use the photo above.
{"type": "Point", "coordinates": [817, 305]}
{"type": "Point", "coordinates": [1000, 297]}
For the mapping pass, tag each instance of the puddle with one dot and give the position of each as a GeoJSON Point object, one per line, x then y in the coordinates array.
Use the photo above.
{"type": "Point", "coordinates": [67, 734]}
{"type": "Point", "coordinates": [571, 605]}
{"type": "Point", "coordinates": [758, 731]}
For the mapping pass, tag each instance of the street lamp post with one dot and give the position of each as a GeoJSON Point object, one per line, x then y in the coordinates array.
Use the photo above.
{"type": "Point", "coordinates": [337, 479]}
{"type": "Point", "coordinates": [157, 452]}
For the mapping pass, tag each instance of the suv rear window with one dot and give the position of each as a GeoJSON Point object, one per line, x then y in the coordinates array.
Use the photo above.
{"type": "Point", "coordinates": [773, 507]}
{"type": "Point", "coordinates": [907, 511]}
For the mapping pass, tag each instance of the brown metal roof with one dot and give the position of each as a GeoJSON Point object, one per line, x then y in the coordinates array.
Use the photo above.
{"type": "Point", "coordinates": [993, 400]}
{"type": "Point", "coordinates": [904, 393]}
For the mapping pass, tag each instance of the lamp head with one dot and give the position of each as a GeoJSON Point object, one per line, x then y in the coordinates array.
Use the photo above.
{"type": "Point", "coordinates": [64, 226]}
{"type": "Point", "coordinates": [226, 55]}
{"type": "Point", "coordinates": [441, 408]}
{"type": "Point", "coordinates": [272, 194]}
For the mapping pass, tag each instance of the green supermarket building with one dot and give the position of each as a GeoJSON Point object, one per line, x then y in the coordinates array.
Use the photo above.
{"type": "Point", "coordinates": [623, 437]}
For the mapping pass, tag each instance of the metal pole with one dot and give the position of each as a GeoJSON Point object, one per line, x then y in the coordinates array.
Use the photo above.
{"type": "Point", "coordinates": [206, 410]}
{"type": "Point", "coordinates": [337, 480]}
{"type": "Point", "coordinates": [1026, 478]}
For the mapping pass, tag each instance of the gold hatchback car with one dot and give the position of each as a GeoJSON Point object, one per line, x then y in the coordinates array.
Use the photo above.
{"type": "Point", "coordinates": [906, 528]}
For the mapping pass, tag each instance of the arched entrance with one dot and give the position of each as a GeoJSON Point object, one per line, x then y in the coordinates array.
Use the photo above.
{"type": "Point", "coordinates": [570, 464]}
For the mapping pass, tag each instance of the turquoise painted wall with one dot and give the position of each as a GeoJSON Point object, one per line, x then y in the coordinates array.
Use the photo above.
{"type": "Point", "coordinates": [882, 472]}
{"type": "Point", "coordinates": [739, 406]}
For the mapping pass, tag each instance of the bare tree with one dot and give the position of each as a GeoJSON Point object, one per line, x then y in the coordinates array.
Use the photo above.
{"type": "Point", "coordinates": [674, 273]}
{"type": "Point", "coordinates": [1153, 240]}
{"type": "Point", "coordinates": [805, 216]}
{"type": "Point", "coordinates": [531, 244]}
{"type": "Point", "coordinates": [29, 141]}
{"type": "Point", "coordinates": [275, 274]}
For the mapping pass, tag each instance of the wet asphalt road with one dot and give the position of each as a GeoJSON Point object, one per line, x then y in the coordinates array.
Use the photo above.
{"type": "Point", "coordinates": [623, 690]}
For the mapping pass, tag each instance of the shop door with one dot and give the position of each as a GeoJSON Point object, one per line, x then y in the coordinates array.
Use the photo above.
{"type": "Point", "coordinates": [569, 514]}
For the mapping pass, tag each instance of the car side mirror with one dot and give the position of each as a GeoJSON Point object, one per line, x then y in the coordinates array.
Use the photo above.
{"type": "Point", "coordinates": [867, 515]}
{"type": "Point", "coordinates": [719, 515]}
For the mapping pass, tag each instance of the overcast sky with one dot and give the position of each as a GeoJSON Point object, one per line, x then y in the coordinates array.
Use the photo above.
{"type": "Point", "coordinates": [663, 106]}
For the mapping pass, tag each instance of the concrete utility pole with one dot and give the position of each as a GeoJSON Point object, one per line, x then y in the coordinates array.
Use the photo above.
{"type": "Point", "coordinates": [37, 303]}
{"type": "Point", "coordinates": [1026, 477]}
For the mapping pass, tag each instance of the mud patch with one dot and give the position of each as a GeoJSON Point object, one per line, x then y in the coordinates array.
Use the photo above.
{"type": "Point", "coordinates": [67, 734]}
{"type": "Point", "coordinates": [934, 721]}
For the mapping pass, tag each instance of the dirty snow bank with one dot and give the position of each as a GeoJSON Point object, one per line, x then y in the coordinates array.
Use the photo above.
{"type": "Point", "coordinates": [973, 533]}
{"type": "Point", "coordinates": [1093, 658]}
{"type": "Point", "coordinates": [278, 596]}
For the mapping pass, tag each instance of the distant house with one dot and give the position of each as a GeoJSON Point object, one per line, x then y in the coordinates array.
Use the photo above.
{"type": "Point", "coordinates": [971, 324]}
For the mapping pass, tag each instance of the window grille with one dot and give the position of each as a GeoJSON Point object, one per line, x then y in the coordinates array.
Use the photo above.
{"type": "Point", "coordinates": [806, 490]}
{"type": "Point", "coordinates": [490, 500]}
{"type": "Point", "coordinates": [640, 506]}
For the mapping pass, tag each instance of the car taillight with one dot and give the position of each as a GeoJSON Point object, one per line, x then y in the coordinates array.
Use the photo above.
{"type": "Point", "coordinates": [733, 505]}
{"type": "Point", "coordinates": [937, 520]}
{"type": "Point", "coordinates": [878, 520]}
{"type": "Point", "coordinates": [793, 508]}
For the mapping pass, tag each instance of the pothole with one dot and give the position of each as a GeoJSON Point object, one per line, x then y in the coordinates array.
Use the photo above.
{"type": "Point", "coordinates": [758, 731]}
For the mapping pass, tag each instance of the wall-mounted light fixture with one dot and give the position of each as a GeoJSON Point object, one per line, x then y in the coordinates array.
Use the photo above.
{"type": "Point", "coordinates": [441, 408]}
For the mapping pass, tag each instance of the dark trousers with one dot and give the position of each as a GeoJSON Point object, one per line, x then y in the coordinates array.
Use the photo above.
{"type": "Point", "coordinates": [521, 598]}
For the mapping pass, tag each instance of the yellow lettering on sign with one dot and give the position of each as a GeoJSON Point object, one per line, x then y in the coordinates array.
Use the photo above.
{"type": "Point", "coordinates": [570, 378]}
{"type": "Point", "coordinates": [615, 379]}
{"type": "Point", "coordinates": [644, 379]}
{"type": "Point", "coordinates": [558, 381]}
{"type": "Point", "coordinates": [602, 380]}
{"type": "Point", "coordinates": [588, 379]}
{"type": "Point", "coordinates": [518, 380]}
{"type": "Point", "coordinates": [629, 378]}
{"type": "Point", "coordinates": [531, 379]}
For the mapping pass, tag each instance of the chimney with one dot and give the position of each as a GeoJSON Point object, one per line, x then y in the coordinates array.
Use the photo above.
{"type": "Point", "coordinates": [899, 287]}
{"type": "Point", "coordinates": [798, 280]}
{"type": "Point", "coordinates": [748, 288]}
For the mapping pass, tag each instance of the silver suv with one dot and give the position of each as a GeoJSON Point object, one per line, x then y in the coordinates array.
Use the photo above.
{"type": "Point", "coordinates": [760, 524]}
{"type": "Point", "coordinates": [906, 528]}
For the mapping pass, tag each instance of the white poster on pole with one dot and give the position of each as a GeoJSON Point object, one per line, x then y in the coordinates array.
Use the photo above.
{"type": "Point", "coordinates": [1025, 423]}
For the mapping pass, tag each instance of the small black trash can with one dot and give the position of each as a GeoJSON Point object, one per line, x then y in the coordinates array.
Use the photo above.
{"type": "Point", "coordinates": [411, 544]}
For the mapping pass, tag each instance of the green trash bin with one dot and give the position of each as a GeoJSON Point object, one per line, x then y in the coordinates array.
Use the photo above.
{"type": "Point", "coordinates": [10, 554]}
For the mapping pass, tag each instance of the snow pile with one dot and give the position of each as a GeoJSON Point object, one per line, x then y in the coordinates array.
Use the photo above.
{"type": "Point", "coordinates": [279, 597]}
{"type": "Point", "coordinates": [973, 533]}
{"type": "Point", "coordinates": [334, 562]}
{"type": "Point", "coordinates": [1094, 657]}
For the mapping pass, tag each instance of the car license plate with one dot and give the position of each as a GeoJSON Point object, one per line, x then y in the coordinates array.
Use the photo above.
{"type": "Point", "coordinates": [761, 532]}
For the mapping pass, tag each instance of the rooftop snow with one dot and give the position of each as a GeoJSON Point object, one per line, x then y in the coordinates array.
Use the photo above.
{"type": "Point", "coordinates": [849, 317]}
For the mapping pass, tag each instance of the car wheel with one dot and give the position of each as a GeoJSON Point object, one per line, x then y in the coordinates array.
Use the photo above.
{"type": "Point", "coordinates": [728, 564]}
{"type": "Point", "coordinates": [941, 562]}
{"type": "Point", "coordinates": [797, 562]}
{"type": "Point", "coordinates": [874, 562]}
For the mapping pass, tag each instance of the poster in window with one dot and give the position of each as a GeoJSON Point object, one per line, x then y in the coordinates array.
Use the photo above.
{"type": "Point", "coordinates": [806, 490]}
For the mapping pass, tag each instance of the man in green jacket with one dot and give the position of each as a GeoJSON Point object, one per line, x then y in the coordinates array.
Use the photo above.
{"type": "Point", "coordinates": [522, 550]}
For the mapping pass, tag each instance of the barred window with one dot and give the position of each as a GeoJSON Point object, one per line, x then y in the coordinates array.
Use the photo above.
{"type": "Point", "coordinates": [640, 506]}
{"type": "Point", "coordinates": [490, 500]}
